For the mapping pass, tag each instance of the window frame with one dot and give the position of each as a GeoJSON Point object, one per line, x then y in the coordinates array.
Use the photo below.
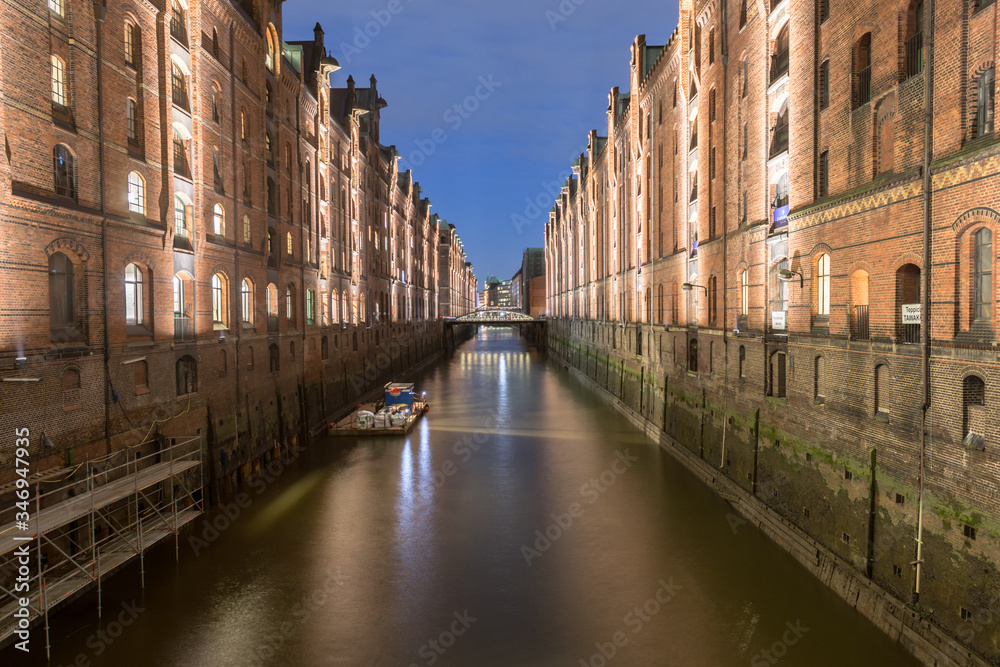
{"type": "Point", "coordinates": [134, 307]}
{"type": "Point", "coordinates": [136, 193]}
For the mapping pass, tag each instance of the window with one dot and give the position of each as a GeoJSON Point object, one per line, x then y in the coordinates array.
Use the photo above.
{"type": "Point", "coordinates": [218, 220]}
{"type": "Point", "coordinates": [743, 13]}
{"type": "Point", "coordinates": [780, 303]}
{"type": "Point", "coordinates": [711, 105]}
{"type": "Point", "coordinates": [288, 243]}
{"type": "Point", "coordinates": [746, 140]}
{"type": "Point", "coordinates": [745, 293]}
{"type": "Point", "coordinates": [182, 228]}
{"type": "Point", "coordinates": [268, 153]}
{"type": "Point", "coordinates": [246, 301]}
{"type": "Point", "coordinates": [182, 167]}
{"type": "Point", "coordinates": [824, 85]}
{"type": "Point", "coordinates": [711, 46]}
{"type": "Point", "coordinates": [779, 142]}
{"type": "Point", "coordinates": [882, 390]}
{"type": "Point", "coordinates": [743, 362]}
{"type": "Point", "coordinates": [781, 201]}
{"type": "Point", "coordinates": [133, 295]}
{"type": "Point", "coordinates": [746, 75]}
{"type": "Point", "coordinates": [915, 39]}
{"type": "Point", "coordinates": [974, 417]}
{"type": "Point", "coordinates": [133, 122]}
{"type": "Point", "coordinates": [290, 304]}
{"type": "Point", "coordinates": [215, 106]}
{"type": "Point", "coordinates": [56, 7]}
{"type": "Point", "coordinates": [130, 30]}
{"type": "Point", "coordinates": [824, 10]}
{"type": "Point", "coordinates": [64, 172]}
{"type": "Point", "coordinates": [863, 70]}
{"type": "Point", "coordinates": [215, 43]}
{"type": "Point", "coordinates": [823, 286]}
{"type": "Point", "coordinates": [713, 300]}
{"type": "Point", "coordinates": [778, 387]}
{"type": "Point", "coordinates": [136, 193]}
{"type": "Point", "coordinates": [178, 23]}
{"type": "Point", "coordinates": [62, 298]}
{"type": "Point", "coordinates": [187, 376]}
{"type": "Point", "coordinates": [310, 307]}
{"type": "Point", "coordinates": [985, 91]}
{"type": "Point", "coordinates": [288, 159]}
{"type": "Point", "coordinates": [219, 300]}
{"type": "Point", "coordinates": [824, 174]}
{"type": "Point", "coordinates": [269, 56]}
{"type": "Point", "coordinates": [58, 81]}
{"type": "Point", "coordinates": [246, 230]}
{"type": "Point", "coordinates": [243, 69]}
{"type": "Point", "coordinates": [274, 358]}
{"type": "Point", "coordinates": [693, 355]}
{"type": "Point", "coordinates": [243, 125]}
{"type": "Point", "coordinates": [779, 61]}
{"type": "Point", "coordinates": [983, 275]}
{"type": "Point", "coordinates": [246, 181]}
{"type": "Point", "coordinates": [178, 86]}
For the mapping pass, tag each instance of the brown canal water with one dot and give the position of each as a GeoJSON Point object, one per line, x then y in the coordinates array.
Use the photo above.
{"type": "Point", "coordinates": [521, 523]}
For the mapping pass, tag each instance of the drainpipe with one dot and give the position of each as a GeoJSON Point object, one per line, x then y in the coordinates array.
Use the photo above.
{"type": "Point", "coordinates": [100, 10]}
{"type": "Point", "coordinates": [925, 343]}
{"type": "Point", "coordinates": [723, 34]}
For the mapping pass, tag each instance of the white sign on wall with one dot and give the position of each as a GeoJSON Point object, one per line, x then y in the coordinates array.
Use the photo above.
{"type": "Point", "coordinates": [778, 319]}
{"type": "Point", "coordinates": [911, 313]}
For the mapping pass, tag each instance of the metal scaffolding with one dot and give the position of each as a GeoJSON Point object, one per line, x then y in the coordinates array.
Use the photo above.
{"type": "Point", "coordinates": [85, 526]}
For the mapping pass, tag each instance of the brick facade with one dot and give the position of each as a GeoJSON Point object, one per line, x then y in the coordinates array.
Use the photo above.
{"type": "Point", "coordinates": [199, 234]}
{"type": "Point", "coordinates": [720, 170]}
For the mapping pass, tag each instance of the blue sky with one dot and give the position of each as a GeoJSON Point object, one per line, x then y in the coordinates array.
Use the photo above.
{"type": "Point", "coordinates": [530, 78]}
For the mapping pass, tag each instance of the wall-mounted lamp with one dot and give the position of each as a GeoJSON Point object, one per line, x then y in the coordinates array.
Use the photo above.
{"type": "Point", "coordinates": [20, 362]}
{"type": "Point", "coordinates": [687, 287]}
{"type": "Point", "coordinates": [222, 336]}
{"type": "Point", "coordinates": [46, 441]}
{"type": "Point", "coordinates": [786, 275]}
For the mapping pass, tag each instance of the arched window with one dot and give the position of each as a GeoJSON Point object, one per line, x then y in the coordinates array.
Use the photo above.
{"type": "Point", "coordinates": [247, 237]}
{"type": "Point", "coordinates": [268, 152]}
{"type": "Point", "coordinates": [693, 355]}
{"type": "Point", "coordinates": [218, 220]}
{"type": "Point", "coordinates": [178, 23]}
{"type": "Point", "coordinates": [272, 199]}
{"type": "Point", "coordinates": [745, 293]}
{"type": "Point", "coordinates": [271, 300]}
{"type": "Point", "coordinates": [819, 372]}
{"type": "Point", "coordinates": [64, 171]}
{"type": "Point", "coordinates": [823, 286]}
{"type": "Point", "coordinates": [982, 297]}
{"type": "Point", "coordinates": [779, 61]}
{"type": "Point", "coordinates": [58, 81]}
{"type": "Point", "coordinates": [288, 243]}
{"type": "Point", "coordinates": [215, 43]}
{"type": "Point", "coordinates": [290, 304]}
{"type": "Point", "coordinates": [779, 141]}
{"type": "Point", "coordinates": [985, 93]}
{"type": "Point", "coordinates": [215, 105]}
{"type": "Point", "coordinates": [136, 193]}
{"type": "Point", "coordinates": [882, 390]}
{"type": "Point", "coordinates": [243, 125]}
{"type": "Point", "coordinates": [182, 223]}
{"type": "Point", "coordinates": [907, 293]}
{"type": "Point", "coordinates": [274, 358]}
{"type": "Point", "coordinates": [863, 70]}
{"type": "Point", "coordinates": [187, 376]}
{"type": "Point", "coordinates": [219, 311]}
{"type": "Point", "coordinates": [133, 295]}
{"type": "Point", "coordinates": [132, 43]}
{"type": "Point", "coordinates": [859, 305]}
{"type": "Point", "coordinates": [246, 301]}
{"type": "Point", "coordinates": [62, 298]}
{"type": "Point", "coordinates": [335, 306]}
{"type": "Point", "coordinates": [915, 39]}
{"type": "Point", "coordinates": [974, 416]}
{"type": "Point", "coordinates": [132, 117]}
{"type": "Point", "coordinates": [182, 167]}
{"type": "Point", "coordinates": [178, 86]}
{"type": "Point", "coordinates": [361, 307]}
{"type": "Point", "coordinates": [269, 56]}
{"type": "Point", "coordinates": [183, 308]}
{"type": "Point", "coordinates": [310, 307]}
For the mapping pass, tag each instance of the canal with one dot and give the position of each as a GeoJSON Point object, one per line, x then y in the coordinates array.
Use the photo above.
{"type": "Point", "coordinates": [522, 523]}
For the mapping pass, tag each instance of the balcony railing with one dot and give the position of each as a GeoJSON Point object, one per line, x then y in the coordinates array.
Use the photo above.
{"type": "Point", "coordinates": [915, 54]}
{"type": "Point", "coordinates": [864, 86]}
{"type": "Point", "coordinates": [859, 324]}
{"type": "Point", "coordinates": [183, 331]}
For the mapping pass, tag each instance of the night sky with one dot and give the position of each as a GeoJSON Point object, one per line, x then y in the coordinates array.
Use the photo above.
{"type": "Point", "coordinates": [530, 78]}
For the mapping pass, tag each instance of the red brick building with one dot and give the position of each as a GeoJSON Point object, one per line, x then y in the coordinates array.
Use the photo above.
{"type": "Point", "coordinates": [781, 253]}
{"type": "Point", "coordinates": [198, 234]}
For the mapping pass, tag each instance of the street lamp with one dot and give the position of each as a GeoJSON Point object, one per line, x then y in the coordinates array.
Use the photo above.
{"type": "Point", "coordinates": [687, 287]}
{"type": "Point", "coordinates": [786, 275]}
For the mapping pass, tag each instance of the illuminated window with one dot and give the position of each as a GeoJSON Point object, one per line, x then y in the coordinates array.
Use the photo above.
{"type": "Point", "coordinates": [136, 193]}
{"type": "Point", "coordinates": [181, 226]}
{"type": "Point", "coordinates": [246, 301]}
{"type": "Point", "coordinates": [129, 43]}
{"type": "Point", "coordinates": [219, 299]}
{"type": "Point", "coordinates": [823, 285]}
{"type": "Point", "coordinates": [133, 295]}
{"type": "Point", "coordinates": [58, 81]}
{"type": "Point", "coordinates": [64, 172]}
{"type": "Point", "coordinates": [218, 220]}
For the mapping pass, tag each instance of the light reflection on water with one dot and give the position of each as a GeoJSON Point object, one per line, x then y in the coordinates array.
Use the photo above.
{"type": "Point", "coordinates": [423, 527]}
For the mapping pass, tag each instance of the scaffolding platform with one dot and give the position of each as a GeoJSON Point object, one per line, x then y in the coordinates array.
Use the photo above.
{"type": "Point", "coordinates": [94, 523]}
